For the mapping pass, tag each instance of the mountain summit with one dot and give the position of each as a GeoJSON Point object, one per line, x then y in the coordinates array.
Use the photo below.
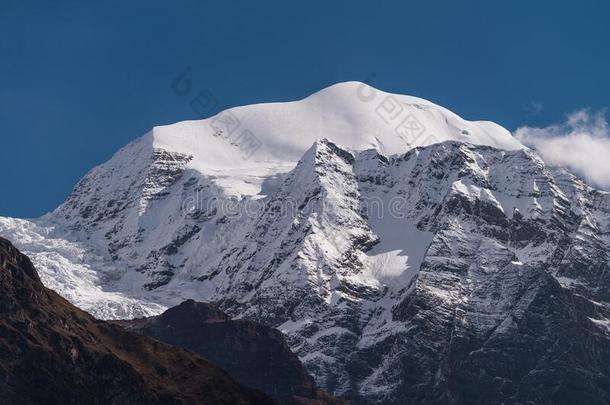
{"type": "Point", "coordinates": [128, 225]}
{"type": "Point", "coordinates": [408, 255]}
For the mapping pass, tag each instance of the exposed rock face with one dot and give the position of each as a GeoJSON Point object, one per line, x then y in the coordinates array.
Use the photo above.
{"type": "Point", "coordinates": [489, 273]}
{"type": "Point", "coordinates": [255, 355]}
{"type": "Point", "coordinates": [418, 277]}
{"type": "Point", "coordinates": [53, 353]}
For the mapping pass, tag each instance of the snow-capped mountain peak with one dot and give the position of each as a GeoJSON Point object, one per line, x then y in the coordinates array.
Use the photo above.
{"type": "Point", "coordinates": [383, 234]}
{"type": "Point", "coordinates": [266, 138]}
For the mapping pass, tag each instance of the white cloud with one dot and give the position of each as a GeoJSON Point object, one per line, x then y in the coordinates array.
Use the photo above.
{"type": "Point", "coordinates": [581, 143]}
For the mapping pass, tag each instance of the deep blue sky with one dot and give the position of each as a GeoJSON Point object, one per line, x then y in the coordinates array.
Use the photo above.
{"type": "Point", "coordinates": [80, 79]}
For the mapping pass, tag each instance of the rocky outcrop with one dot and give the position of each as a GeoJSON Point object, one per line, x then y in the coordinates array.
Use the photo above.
{"type": "Point", "coordinates": [255, 355]}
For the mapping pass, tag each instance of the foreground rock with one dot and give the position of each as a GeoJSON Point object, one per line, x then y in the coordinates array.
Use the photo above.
{"type": "Point", "coordinates": [255, 355]}
{"type": "Point", "coordinates": [53, 353]}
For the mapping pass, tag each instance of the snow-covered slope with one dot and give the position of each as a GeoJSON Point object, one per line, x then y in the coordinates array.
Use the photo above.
{"type": "Point", "coordinates": [382, 233]}
{"type": "Point", "coordinates": [351, 114]}
{"type": "Point", "coordinates": [150, 214]}
{"type": "Point", "coordinates": [240, 147]}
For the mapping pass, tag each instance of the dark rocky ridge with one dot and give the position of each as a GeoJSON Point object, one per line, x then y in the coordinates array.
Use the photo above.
{"type": "Point", "coordinates": [255, 355]}
{"type": "Point", "coordinates": [53, 353]}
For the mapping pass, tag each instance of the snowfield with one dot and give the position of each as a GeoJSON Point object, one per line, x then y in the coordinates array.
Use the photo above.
{"type": "Point", "coordinates": [77, 257]}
